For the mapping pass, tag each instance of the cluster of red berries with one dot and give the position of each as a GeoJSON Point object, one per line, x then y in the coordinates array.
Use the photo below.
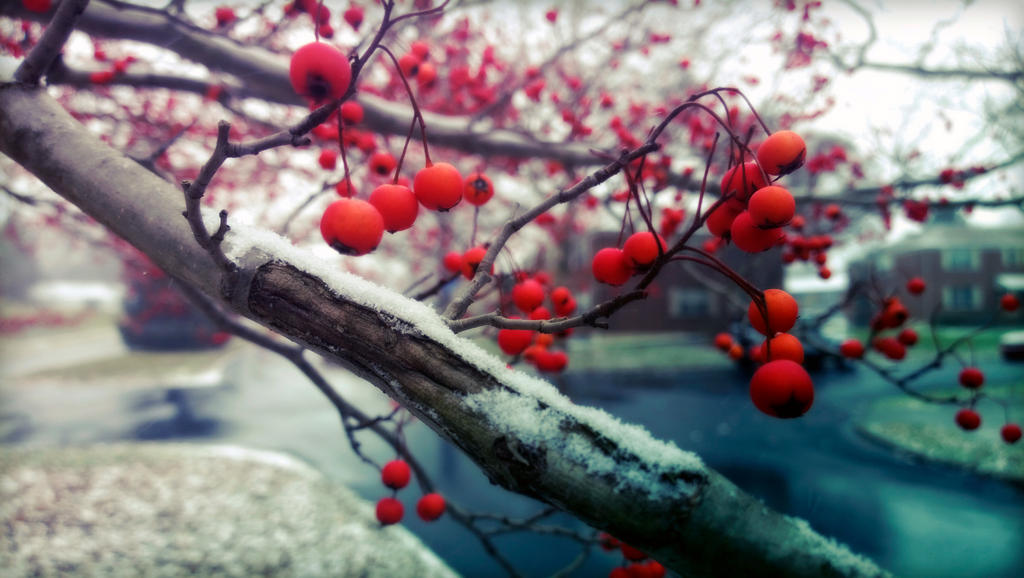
{"type": "Point", "coordinates": [352, 226]}
{"type": "Point", "coordinates": [891, 316]}
{"type": "Point", "coordinates": [636, 563]}
{"type": "Point", "coordinates": [973, 378]}
{"type": "Point", "coordinates": [116, 67]}
{"type": "Point", "coordinates": [780, 387]}
{"type": "Point", "coordinates": [320, 14]}
{"type": "Point", "coordinates": [809, 248]}
{"type": "Point", "coordinates": [615, 266]}
{"type": "Point", "coordinates": [755, 211]}
{"type": "Point", "coordinates": [396, 475]}
{"type": "Point", "coordinates": [415, 64]}
{"type": "Point", "coordinates": [528, 295]}
{"type": "Point", "coordinates": [969, 419]}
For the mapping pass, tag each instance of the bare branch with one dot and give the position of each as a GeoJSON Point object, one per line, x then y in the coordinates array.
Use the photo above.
{"type": "Point", "coordinates": [47, 50]}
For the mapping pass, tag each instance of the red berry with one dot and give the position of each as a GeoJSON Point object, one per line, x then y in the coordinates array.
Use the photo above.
{"type": "Point", "coordinates": [1009, 302]}
{"type": "Point", "coordinates": [723, 341]}
{"type": "Point", "coordinates": [37, 6]}
{"type": "Point", "coordinates": [749, 237]}
{"type": "Point", "coordinates": [972, 378]}
{"type": "Point", "coordinates": [915, 286]}
{"type": "Point", "coordinates": [771, 206]}
{"type": "Point", "coordinates": [560, 296]}
{"type": "Point", "coordinates": [351, 112]}
{"type": "Point", "coordinates": [540, 314]}
{"type": "Point", "coordinates": [409, 64]}
{"type": "Point", "coordinates": [852, 349]}
{"type": "Point", "coordinates": [453, 261]}
{"type": "Point", "coordinates": [352, 226]}
{"type": "Point", "coordinates": [397, 205]}
{"type": "Point", "coordinates": [833, 211]}
{"type": "Point", "coordinates": [479, 189]}
{"type": "Point", "coordinates": [224, 15]}
{"type": "Point", "coordinates": [426, 74]}
{"type": "Point", "coordinates": [782, 389]}
{"type": "Point", "coordinates": [438, 186]}
{"type": "Point", "coordinates": [395, 474]}
{"type": "Point", "coordinates": [514, 341]}
{"type": "Point", "coordinates": [784, 346]}
{"type": "Point", "coordinates": [719, 221]}
{"type": "Point", "coordinates": [471, 260]}
{"type": "Point", "coordinates": [608, 542]}
{"type": "Point", "coordinates": [420, 48]}
{"type": "Point", "coordinates": [891, 348]}
{"type": "Point", "coordinates": [653, 569]}
{"type": "Point", "coordinates": [611, 266]}
{"type": "Point", "coordinates": [389, 511]}
{"type": "Point", "coordinates": [319, 71]}
{"type": "Point", "coordinates": [382, 163]}
{"type": "Point", "coordinates": [782, 153]}
{"type": "Point", "coordinates": [564, 308]}
{"type": "Point", "coordinates": [345, 188]}
{"type": "Point", "coordinates": [430, 507]}
{"type": "Point", "coordinates": [632, 554]}
{"type": "Point", "coordinates": [1011, 433]}
{"type": "Point", "coordinates": [907, 337]}
{"type": "Point", "coordinates": [642, 248]}
{"type": "Point", "coordinates": [101, 76]}
{"type": "Point", "coordinates": [354, 16]}
{"type": "Point", "coordinates": [756, 353]}
{"type": "Point", "coordinates": [742, 180]}
{"type": "Point", "coordinates": [328, 159]}
{"type": "Point", "coordinates": [528, 295]}
{"type": "Point", "coordinates": [551, 361]}
{"type": "Point", "coordinates": [893, 314]}
{"type": "Point", "coordinates": [782, 312]}
{"type": "Point", "coordinates": [968, 419]}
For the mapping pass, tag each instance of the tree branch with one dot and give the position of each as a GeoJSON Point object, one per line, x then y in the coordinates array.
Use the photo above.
{"type": "Point", "coordinates": [614, 477]}
{"type": "Point", "coordinates": [48, 49]}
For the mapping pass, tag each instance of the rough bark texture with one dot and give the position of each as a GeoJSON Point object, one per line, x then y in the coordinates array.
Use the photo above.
{"type": "Point", "coordinates": [694, 521]}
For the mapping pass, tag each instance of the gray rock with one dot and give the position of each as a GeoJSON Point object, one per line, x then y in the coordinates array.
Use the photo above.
{"type": "Point", "coordinates": [200, 510]}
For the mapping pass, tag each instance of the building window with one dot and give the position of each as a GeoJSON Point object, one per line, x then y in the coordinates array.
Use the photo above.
{"type": "Point", "coordinates": [688, 303]}
{"type": "Point", "coordinates": [1013, 258]}
{"type": "Point", "coordinates": [961, 298]}
{"type": "Point", "coordinates": [954, 259]}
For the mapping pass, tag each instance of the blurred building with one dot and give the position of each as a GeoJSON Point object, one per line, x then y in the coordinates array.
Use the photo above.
{"type": "Point", "coordinates": [966, 269]}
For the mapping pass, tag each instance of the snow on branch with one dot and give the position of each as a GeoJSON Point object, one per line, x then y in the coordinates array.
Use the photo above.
{"type": "Point", "coordinates": [522, 432]}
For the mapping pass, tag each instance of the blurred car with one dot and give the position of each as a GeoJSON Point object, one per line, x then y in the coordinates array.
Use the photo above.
{"type": "Point", "coordinates": [1011, 346]}
{"type": "Point", "coordinates": [157, 316]}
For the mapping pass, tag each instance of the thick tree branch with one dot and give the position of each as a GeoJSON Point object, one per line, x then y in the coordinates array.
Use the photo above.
{"type": "Point", "coordinates": [613, 477]}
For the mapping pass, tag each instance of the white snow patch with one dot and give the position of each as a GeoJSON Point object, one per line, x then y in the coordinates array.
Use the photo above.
{"type": "Point", "coordinates": [845, 561]}
{"type": "Point", "coordinates": [521, 415]}
{"type": "Point", "coordinates": [507, 411]}
{"type": "Point", "coordinates": [8, 66]}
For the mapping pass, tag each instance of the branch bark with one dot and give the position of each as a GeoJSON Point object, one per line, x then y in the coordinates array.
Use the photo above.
{"type": "Point", "coordinates": [685, 515]}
